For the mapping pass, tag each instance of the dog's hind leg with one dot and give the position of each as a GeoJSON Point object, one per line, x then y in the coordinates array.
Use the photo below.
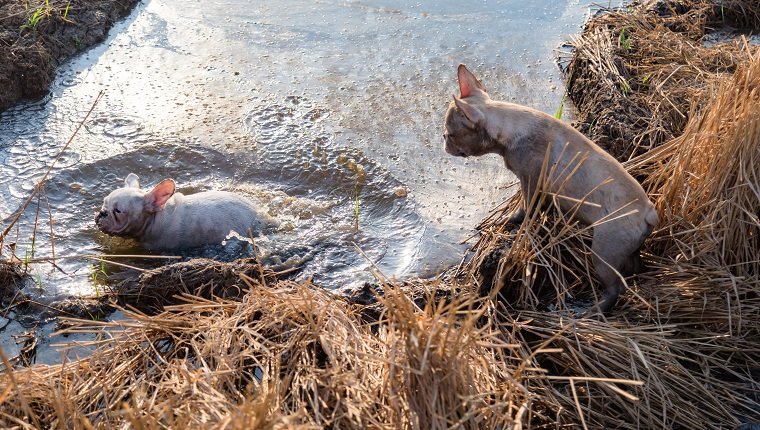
{"type": "Point", "coordinates": [526, 189]}
{"type": "Point", "coordinates": [518, 216]}
{"type": "Point", "coordinates": [612, 282]}
{"type": "Point", "coordinates": [632, 265]}
{"type": "Point", "coordinates": [612, 255]}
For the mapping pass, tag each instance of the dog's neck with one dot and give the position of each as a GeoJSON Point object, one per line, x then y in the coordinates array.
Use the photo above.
{"type": "Point", "coordinates": [511, 126]}
{"type": "Point", "coordinates": [146, 229]}
{"type": "Point", "coordinates": [143, 227]}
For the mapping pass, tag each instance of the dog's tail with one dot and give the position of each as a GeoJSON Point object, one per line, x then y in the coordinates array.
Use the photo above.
{"type": "Point", "coordinates": [651, 216]}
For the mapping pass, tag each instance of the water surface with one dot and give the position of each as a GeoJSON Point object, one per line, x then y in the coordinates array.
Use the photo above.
{"type": "Point", "coordinates": [311, 108]}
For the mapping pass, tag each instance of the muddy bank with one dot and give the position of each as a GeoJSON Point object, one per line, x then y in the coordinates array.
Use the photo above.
{"type": "Point", "coordinates": [635, 74]}
{"type": "Point", "coordinates": [37, 36]}
{"type": "Point", "coordinates": [12, 282]}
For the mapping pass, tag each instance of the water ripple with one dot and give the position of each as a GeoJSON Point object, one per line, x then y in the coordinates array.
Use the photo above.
{"type": "Point", "coordinates": [113, 126]}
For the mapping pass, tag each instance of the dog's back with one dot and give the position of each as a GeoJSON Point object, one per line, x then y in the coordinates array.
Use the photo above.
{"type": "Point", "coordinates": [189, 221]}
{"type": "Point", "coordinates": [593, 181]}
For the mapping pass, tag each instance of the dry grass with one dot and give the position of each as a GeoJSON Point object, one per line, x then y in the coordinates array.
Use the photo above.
{"type": "Point", "coordinates": [706, 183]}
{"type": "Point", "coordinates": [288, 355]}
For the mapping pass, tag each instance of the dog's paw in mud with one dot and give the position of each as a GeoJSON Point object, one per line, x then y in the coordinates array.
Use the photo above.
{"type": "Point", "coordinates": [489, 266]}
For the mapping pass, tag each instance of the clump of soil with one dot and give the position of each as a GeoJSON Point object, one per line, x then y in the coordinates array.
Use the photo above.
{"type": "Point", "coordinates": [36, 36]}
{"type": "Point", "coordinates": [151, 291]}
{"type": "Point", "coordinates": [635, 73]}
{"type": "Point", "coordinates": [11, 283]}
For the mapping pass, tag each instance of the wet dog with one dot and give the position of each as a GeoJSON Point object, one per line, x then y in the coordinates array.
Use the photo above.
{"type": "Point", "coordinates": [586, 180]}
{"type": "Point", "coordinates": [161, 219]}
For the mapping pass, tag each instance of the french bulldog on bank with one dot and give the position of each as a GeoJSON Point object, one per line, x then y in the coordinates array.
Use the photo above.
{"type": "Point", "coordinates": [161, 219]}
{"type": "Point", "coordinates": [587, 181]}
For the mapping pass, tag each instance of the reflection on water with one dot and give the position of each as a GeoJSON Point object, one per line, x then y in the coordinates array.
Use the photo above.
{"type": "Point", "coordinates": [311, 108]}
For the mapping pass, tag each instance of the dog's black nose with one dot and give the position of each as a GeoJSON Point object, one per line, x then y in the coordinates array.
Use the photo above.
{"type": "Point", "coordinates": [101, 214]}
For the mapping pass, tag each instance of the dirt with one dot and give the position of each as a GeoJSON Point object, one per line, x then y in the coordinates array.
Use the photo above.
{"type": "Point", "coordinates": [36, 36]}
{"type": "Point", "coordinates": [12, 281]}
{"type": "Point", "coordinates": [635, 72]}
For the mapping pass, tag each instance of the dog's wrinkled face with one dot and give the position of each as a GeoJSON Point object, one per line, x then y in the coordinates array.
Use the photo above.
{"type": "Point", "coordinates": [126, 210]}
{"type": "Point", "coordinates": [461, 137]}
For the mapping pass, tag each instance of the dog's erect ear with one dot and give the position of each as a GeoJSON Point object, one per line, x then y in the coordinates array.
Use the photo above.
{"type": "Point", "coordinates": [159, 195]}
{"type": "Point", "coordinates": [468, 83]}
{"type": "Point", "coordinates": [472, 113]}
{"type": "Point", "coordinates": [132, 181]}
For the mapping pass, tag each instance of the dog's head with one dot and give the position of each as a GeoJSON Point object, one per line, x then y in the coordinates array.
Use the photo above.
{"type": "Point", "coordinates": [126, 210]}
{"type": "Point", "coordinates": [464, 126]}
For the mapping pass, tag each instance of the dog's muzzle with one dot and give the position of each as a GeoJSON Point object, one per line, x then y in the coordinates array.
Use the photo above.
{"type": "Point", "coordinates": [101, 214]}
{"type": "Point", "coordinates": [449, 147]}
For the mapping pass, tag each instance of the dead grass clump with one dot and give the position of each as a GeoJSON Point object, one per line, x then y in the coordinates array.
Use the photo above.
{"type": "Point", "coordinates": [448, 367]}
{"type": "Point", "coordinates": [706, 183]}
{"type": "Point", "coordinates": [633, 73]}
{"type": "Point", "coordinates": [740, 14]}
{"type": "Point", "coordinates": [544, 263]}
{"type": "Point", "coordinates": [687, 328]}
{"type": "Point", "coordinates": [152, 290]}
{"type": "Point", "coordinates": [289, 356]}
{"type": "Point", "coordinates": [633, 373]}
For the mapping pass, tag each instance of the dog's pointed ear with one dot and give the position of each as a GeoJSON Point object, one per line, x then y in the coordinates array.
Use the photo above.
{"type": "Point", "coordinates": [468, 83]}
{"type": "Point", "coordinates": [471, 112]}
{"type": "Point", "coordinates": [159, 195]}
{"type": "Point", "coordinates": [132, 181]}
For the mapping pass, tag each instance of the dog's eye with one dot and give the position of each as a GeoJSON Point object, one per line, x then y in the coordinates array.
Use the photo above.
{"type": "Point", "coordinates": [116, 211]}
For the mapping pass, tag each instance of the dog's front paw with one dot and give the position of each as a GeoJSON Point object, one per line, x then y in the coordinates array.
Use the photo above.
{"type": "Point", "coordinates": [517, 217]}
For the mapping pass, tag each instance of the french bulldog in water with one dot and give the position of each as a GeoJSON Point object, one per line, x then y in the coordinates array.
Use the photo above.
{"type": "Point", "coordinates": [588, 182]}
{"type": "Point", "coordinates": [162, 219]}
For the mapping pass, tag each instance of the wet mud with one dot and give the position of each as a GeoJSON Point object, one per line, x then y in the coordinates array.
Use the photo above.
{"type": "Point", "coordinates": [38, 36]}
{"type": "Point", "coordinates": [635, 73]}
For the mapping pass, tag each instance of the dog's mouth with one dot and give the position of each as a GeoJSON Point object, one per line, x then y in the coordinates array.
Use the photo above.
{"type": "Point", "coordinates": [451, 149]}
{"type": "Point", "coordinates": [100, 221]}
{"type": "Point", "coordinates": [457, 152]}
{"type": "Point", "coordinates": [104, 226]}
{"type": "Point", "coordinates": [104, 229]}
{"type": "Point", "coordinates": [101, 226]}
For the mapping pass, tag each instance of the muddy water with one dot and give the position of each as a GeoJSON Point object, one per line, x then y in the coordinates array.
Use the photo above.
{"type": "Point", "coordinates": [314, 109]}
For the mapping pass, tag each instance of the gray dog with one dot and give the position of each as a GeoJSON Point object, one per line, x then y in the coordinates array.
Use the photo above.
{"type": "Point", "coordinates": [161, 219]}
{"type": "Point", "coordinates": [587, 179]}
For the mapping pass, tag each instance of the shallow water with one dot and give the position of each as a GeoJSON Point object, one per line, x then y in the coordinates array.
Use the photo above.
{"type": "Point", "coordinates": [311, 108]}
